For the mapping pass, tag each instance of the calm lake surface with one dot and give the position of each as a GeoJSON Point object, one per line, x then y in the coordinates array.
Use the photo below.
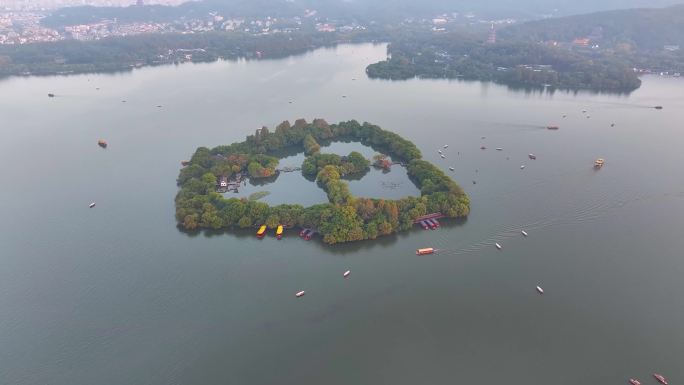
{"type": "Point", "coordinates": [117, 295]}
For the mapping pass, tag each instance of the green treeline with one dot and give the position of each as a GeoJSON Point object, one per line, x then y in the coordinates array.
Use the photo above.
{"type": "Point", "coordinates": [515, 63]}
{"type": "Point", "coordinates": [344, 218]}
{"type": "Point", "coordinates": [643, 30]}
{"type": "Point", "coordinates": [125, 53]}
{"type": "Point", "coordinates": [354, 163]}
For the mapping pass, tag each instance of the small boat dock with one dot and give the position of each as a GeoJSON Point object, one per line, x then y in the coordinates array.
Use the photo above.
{"type": "Point", "coordinates": [429, 221]}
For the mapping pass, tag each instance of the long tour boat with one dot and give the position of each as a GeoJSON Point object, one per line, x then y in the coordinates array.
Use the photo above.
{"type": "Point", "coordinates": [261, 232]}
{"type": "Point", "coordinates": [425, 251]}
{"type": "Point", "coordinates": [634, 382]}
{"type": "Point", "coordinates": [660, 378]}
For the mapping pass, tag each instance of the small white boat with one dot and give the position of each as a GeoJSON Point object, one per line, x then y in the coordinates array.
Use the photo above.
{"type": "Point", "coordinates": [524, 232]}
{"type": "Point", "coordinates": [346, 273]}
{"type": "Point", "coordinates": [91, 205]}
{"type": "Point", "coordinates": [300, 294]}
{"type": "Point", "coordinates": [499, 149]}
{"type": "Point", "coordinates": [446, 146]}
{"type": "Point", "coordinates": [522, 167]}
{"type": "Point", "coordinates": [443, 157]}
{"type": "Point", "coordinates": [440, 151]}
{"type": "Point", "coordinates": [540, 290]}
{"type": "Point", "coordinates": [451, 168]}
{"type": "Point", "coordinates": [584, 111]}
{"type": "Point", "coordinates": [498, 246]}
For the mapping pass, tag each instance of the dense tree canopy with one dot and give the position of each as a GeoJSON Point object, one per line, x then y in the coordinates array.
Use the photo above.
{"type": "Point", "coordinates": [515, 63]}
{"type": "Point", "coordinates": [345, 218]}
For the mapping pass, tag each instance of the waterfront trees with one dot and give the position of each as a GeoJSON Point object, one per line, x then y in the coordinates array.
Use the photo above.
{"type": "Point", "coordinates": [344, 218]}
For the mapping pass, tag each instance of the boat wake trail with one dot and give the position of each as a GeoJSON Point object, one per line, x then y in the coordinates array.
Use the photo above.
{"type": "Point", "coordinates": [586, 207]}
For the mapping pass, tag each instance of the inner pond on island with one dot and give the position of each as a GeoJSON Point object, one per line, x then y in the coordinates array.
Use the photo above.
{"type": "Point", "coordinates": [294, 188]}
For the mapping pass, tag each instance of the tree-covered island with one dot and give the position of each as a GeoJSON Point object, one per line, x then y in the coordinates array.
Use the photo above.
{"type": "Point", "coordinates": [344, 218]}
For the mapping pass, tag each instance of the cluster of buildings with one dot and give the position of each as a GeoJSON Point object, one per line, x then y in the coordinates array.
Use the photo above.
{"type": "Point", "coordinates": [105, 29]}
{"type": "Point", "coordinates": [25, 27]}
{"type": "Point", "coordinates": [44, 5]}
{"type": "Point", "coordinates": [441, 23]}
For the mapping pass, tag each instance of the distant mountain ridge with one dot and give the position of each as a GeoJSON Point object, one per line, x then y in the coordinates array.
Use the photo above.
{"type": "Point", "coordinates": [641, 30]}
{"type": "Point", "coordinates": [362, 10]}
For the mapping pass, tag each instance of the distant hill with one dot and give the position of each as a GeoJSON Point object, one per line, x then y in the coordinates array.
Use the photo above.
{"type": "Point", "coordinates": [362, 10]}
{"type": "Point", "coordinates": [638, 30]}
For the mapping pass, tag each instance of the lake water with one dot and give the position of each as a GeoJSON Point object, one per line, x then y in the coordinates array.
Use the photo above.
{"type": "Point", "coordinates": [117, 295]}
{"type": "Point", "coordinates": [293, 187]}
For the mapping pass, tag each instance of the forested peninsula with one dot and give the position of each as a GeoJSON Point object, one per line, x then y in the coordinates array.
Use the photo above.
{"type": "Point", "coordinates": [344, 218]}
{"type": "Point", "coordinates": [517, 63]}
{"type": "Point", "coordinates": [126, 53]}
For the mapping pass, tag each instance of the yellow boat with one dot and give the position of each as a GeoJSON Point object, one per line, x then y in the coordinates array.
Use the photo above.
{"type": "Point", "coordinates": [279, 231]}
{"type": "Point", "coordinates": [261, 232]}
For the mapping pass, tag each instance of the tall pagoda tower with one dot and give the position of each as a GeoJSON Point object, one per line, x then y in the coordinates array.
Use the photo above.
{"type": "Point", "coordinates": [492, 35]}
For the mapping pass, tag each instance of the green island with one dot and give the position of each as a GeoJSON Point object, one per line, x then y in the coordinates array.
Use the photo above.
{"type": "Point", "coordinates": [345, 218]}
